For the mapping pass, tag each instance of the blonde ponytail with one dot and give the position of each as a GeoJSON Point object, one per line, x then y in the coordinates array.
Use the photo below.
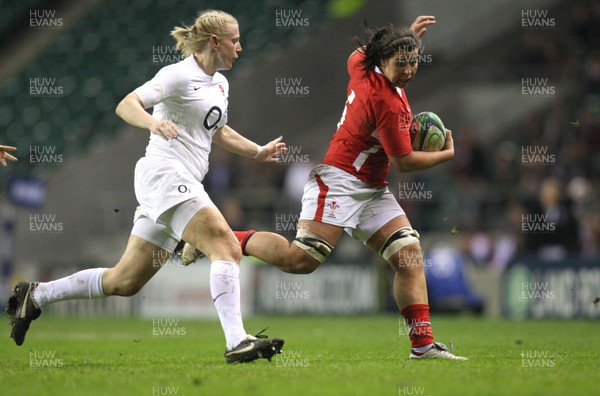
{"type": "Point", "coordinates": [209, 23]}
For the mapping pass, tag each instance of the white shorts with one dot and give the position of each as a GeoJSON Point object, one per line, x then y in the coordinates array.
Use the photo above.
{"type": "Point", "coordinates": [154, 233]}
{"type": "Point", "coordinates": [169, 197]}
{"type": "Point", "coordinates": [336, 197]}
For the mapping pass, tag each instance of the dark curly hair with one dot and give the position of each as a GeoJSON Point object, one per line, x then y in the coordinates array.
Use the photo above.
{"type": "Point", "coordinates": [383, 42]}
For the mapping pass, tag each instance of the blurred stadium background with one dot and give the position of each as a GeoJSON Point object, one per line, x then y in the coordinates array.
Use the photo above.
{"type": "Point", "coordinates": [511, 226]}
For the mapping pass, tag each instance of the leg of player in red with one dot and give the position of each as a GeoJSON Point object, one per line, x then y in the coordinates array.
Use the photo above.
{"type": "Point", "coordinates": [396, 241]}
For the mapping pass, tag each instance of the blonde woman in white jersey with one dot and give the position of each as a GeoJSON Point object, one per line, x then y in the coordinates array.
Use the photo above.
{"type": "Point", "coordinates": [190, 113]}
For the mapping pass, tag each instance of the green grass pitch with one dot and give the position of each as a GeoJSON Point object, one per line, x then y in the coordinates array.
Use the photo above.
{"type": "Point", "coordinates": [358, 355]}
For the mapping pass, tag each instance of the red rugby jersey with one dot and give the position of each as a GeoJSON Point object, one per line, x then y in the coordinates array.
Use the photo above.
{"type": "Point", "coordinates": [375, 125]}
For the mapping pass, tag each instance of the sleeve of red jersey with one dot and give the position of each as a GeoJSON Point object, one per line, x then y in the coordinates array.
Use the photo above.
{"type": "Point", "coordinates": [394, 135]}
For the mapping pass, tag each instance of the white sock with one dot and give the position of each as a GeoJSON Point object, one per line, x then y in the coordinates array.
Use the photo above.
{"type": "Point", "coordinates": [423, 349]}
{"type": "Point", "coordinates": [86, 284]}
{"type": "Point", "coordinates": [225, 291]}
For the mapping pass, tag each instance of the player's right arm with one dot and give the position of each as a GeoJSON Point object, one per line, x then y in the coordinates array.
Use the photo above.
{"type": "Point", "coordinates": [168, 82]}
{"type": "Point", "coordinates": [419, 26]}
{"type": "Point", "coordinates": [131, 110]}
{"type": "Point", "coordinates": [421, 160]}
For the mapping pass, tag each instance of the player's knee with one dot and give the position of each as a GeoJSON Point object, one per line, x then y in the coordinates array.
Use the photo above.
{"type": "Point", "coordinates": [302, 264]}
{"type": "Point", "coordinates": [219, 231]}
{"type": "Point", "coordinates": [312, 251]}
{"type": "Point", "coordinates": [224, 237]}
{"type": "Point", "coordinates": [225, 249]}
{"type": "Point", "coordinates": [115, 283]}
{"type": "Point", "coordinates": [235, 250]}
{"type": "Point", "coordinates": [409, 259]}
{"type": "Point", "coordinates": [128, 287]}
{"type": "Point", "coordinates": [304, 267]}
{"type": "Point", "coordinates": [402, 250]}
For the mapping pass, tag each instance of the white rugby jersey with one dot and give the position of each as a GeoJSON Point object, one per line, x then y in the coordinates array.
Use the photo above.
{"type": "Point", "coordinates": [196, 103]}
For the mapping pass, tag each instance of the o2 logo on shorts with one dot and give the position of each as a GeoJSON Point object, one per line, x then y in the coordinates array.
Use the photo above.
{"type": "Point", "coordinates": [183, 189]}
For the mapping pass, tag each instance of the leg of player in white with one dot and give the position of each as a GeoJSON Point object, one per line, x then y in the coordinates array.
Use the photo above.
{"type": "Point", "coordinates": [140, 261]}
{"type": "Point", "coordinates": [147, 249]}
{"type": "Point", "coordinates": [209, 232]}
{"type": "Point", "coordinates": [138, 265]}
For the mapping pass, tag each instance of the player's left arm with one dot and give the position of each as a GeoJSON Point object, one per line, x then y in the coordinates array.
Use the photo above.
{"type": "Point", "coordinates": [421, 160]}
{"type": "Point", "coordinates": [232, 141]}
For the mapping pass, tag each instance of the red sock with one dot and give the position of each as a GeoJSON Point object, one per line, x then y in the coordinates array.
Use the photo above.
{"type": "Point", "coordinates": [419, 324]}
{"type": "Point", "coordinates": [243, 237]}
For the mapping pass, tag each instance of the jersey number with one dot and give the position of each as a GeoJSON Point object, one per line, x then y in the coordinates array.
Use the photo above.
{"type": "Point", "coordinates": [362, 157]}
{"type": "Point", "coordinates": [348, 102]}
{"type": "Point", "coordinates": [206, 123]}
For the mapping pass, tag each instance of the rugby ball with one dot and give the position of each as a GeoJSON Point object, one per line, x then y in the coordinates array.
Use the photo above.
{"type": "Point", "coordinates": [427, 132]}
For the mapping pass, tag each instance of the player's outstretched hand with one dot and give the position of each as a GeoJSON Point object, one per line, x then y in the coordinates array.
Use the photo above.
{"type": "Point", "coordinates": [5, 156]}
{"type": "Point", "coordinates": [164, 128]}
{"type": "Point", "coordinates": [272, 150]}
{"type": "Point", "coordinates": [419, 26]}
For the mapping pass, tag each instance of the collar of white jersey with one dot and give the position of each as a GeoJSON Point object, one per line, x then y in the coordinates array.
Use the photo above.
{"type": "Point", "coordinates": [378, 70]}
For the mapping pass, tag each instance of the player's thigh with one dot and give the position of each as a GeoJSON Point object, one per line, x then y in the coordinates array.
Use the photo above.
{"type": "Point", "coordinates": [209, 232]}
{"type": "Point", "coordinates": [328, 232]}
{"type": "Point", "coordinates": [383, 233]}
